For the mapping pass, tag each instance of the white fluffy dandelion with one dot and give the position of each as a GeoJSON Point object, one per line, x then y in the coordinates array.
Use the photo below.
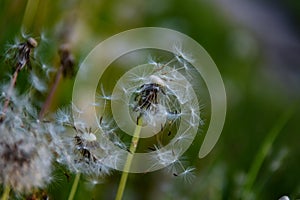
{"type": "Point", "coordinates": [25, 160]}
{"type": "Point", "coordinates": [76, 145]}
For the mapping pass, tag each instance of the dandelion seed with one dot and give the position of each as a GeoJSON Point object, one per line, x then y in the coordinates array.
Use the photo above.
{"type": "Point", "coordinates": [44, 37]}
{"type": "Point", "coordinates": [47, 70]}
{"type": "Point", "coordinates": [103, 95]}
{"type": "Point", "coordinates": [37, 83]}
{"type": "Point", "coordinates": [166, 157]}
{"type": "Point", "coordinates": [182, 56]}
{"type": "Point", "coordinates": [63, 116]}
{"type": "Point", "coordinates": [188, 175]}
{"type": "Point", "coordinates": [92, 182]}
{"type": "Point", "coordinates": [279, 159]}
{"type": "Point", "coordinates": [75, 109]}
{"type": "Point", "coordinates": [183, 137]}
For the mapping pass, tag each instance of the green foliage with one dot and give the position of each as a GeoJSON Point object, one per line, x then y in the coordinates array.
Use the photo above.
{"type": "Point", "coordinates": [247, 156]}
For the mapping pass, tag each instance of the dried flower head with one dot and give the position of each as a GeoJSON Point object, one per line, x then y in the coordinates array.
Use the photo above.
{"type": "Point", "coordinates": [18, 55]}
{"type": "Point", "coordinates": [67, 61]}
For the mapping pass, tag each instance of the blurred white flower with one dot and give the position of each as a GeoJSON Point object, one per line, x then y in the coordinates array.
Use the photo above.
{"type": "Point", "coordinates": [25, 159]}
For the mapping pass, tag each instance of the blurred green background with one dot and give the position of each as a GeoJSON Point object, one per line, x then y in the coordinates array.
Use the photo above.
{"type": "Point", "coordinates": [256, 46]}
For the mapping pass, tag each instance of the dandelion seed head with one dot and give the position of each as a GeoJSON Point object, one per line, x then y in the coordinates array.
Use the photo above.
{"type": "Point", "coordinates": [78, 149]}
{"type": "Point", "coordinates": [25, 161]}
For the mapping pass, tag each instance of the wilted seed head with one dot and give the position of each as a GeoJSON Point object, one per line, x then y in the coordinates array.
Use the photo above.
{"type": "Point", "coordinates": [23, 56]}
{"type": "Point", "coordinates": [67, 60]}
{"type": "Point", "coordinates": [18, 55]}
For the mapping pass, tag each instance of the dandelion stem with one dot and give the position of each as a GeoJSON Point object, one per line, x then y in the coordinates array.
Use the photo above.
{"type": "Point", "coordinates": [263, 152]}
{"type": "Point", "coordinates": [5, 194]}
{"type": "Point", "coordinates": [10, 89]}
{"type": "Point", "coordinates": [51, 93]}
{"type": "Point", "coordinates": [74, 187]}
{"type": "Point", "coordinates": [133, 146]}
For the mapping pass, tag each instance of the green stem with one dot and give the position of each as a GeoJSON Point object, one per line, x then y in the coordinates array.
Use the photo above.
{"type": "Point", "coordinates": [263, 152]}
{"type": "Point", "coordinates": [74, 187]}
{"type": "Point", "coordinates": [5, 194]}
{"type": "Point", "coordinates": [133, 146]}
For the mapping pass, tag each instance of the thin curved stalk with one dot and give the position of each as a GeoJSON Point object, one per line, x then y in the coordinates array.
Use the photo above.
{"type": "Point", "coordinates": [11, 87]}
{"type": "Point", "coordinates": [74, 187]}
{"type": "Point", "coordinates": [5, 194]}
{"type": "Point", "coordinates": [50, 96]}
{"type": "Point", "coordinates": [133, 146]}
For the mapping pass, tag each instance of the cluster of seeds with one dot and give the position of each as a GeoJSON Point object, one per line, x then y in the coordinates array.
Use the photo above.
{"type": "Point", "coordinates": [30, 143]}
